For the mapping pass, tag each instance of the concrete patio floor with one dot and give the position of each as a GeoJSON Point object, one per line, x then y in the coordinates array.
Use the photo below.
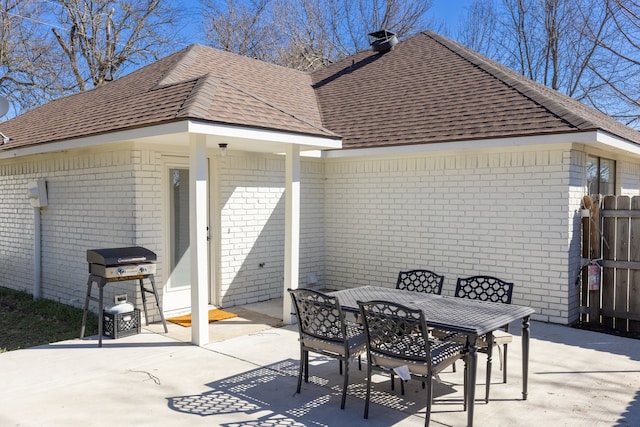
{"type": "Point", "coordinates": [247, 377]}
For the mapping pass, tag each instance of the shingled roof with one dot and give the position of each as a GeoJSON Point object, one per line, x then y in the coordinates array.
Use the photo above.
{"type": "Point", "coordinates": [427, 89]}
{"type": "Point", "coordinates": [430, 89]}
{"type": "Point", "coordinates": [195, 83]}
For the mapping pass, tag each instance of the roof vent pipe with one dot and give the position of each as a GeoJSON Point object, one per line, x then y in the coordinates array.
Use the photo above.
{"type": "Point", "coordinates": [383, 41]}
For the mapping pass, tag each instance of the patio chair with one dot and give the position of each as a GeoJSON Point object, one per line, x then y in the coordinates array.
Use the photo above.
{"type": "Point", "coordinates": [324, 330]}
{"type": "Point", "coordinates": [488, 288]}
{"type": "Point", "coordinates": [420, 281]}
{"type": "Point", "coordinates": [397, 337]}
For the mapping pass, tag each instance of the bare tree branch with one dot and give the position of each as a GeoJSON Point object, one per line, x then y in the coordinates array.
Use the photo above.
{"type": "Point", "coordinates": [27, 76]}
{"type": "Point", "coordinates": [587, 49]}
{"type": "Point", "coordinates": [103, 36]}
{"type": "Point", "coordinates": [307, 34]}
{"type": "Point", "coordinates": [242, 28]}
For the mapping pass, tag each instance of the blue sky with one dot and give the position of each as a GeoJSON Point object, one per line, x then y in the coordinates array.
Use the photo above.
{"type": "Point", "coordinates": [449, 11]}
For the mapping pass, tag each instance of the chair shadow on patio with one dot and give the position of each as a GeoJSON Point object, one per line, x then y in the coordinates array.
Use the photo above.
{"type": "Point", "coordinates": [266, 396]}
{"type": "Point", "coordinates": [632, 413]}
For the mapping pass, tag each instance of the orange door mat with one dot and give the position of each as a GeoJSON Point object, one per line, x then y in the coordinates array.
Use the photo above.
{"type": "Point", "coordinates": [214, 315]}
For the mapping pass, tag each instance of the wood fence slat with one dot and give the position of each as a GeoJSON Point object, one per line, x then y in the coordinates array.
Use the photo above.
{"type": "Point", "coordinates": [634, 283]}
{"type": "Point", "coordinates": [608, 253]}
{"type": "Point", "coordinates": [594, 252]}
{"type": "Point", "coordinates": [617, 304]}
{"type": "Point", "coordinates": [584, 279]}
{"type": "Point", "coordinates": [622, 274]}
{"type": "Point", "coordinates": [594, 225]}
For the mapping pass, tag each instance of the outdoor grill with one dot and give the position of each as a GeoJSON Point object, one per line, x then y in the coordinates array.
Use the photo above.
{"type": "Point", "coordinates": [121, 263]}
{"type": "Point", "coordinates": [118, 264]}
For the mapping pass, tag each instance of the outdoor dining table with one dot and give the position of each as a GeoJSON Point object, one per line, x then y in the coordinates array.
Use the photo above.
{"type": "Point", "coordinates": [472, 318]}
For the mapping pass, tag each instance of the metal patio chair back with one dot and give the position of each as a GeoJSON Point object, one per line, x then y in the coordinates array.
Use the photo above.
{"type": "Point", "coordinates": [420, 281]}
{"type": "Point", "coordinates": [484, 288]}
{"type": "Point", "coordinates": [398, 336]}
{"type": "Point", "coordinates": [324, 330]}
{"type": "Point", "coordinates": [489, 288]}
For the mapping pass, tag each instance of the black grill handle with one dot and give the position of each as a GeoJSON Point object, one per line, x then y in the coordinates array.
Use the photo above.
{"type": "Point", "coordinates": [131, 259]}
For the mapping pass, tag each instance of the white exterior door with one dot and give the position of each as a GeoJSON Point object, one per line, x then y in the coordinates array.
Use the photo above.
{"type": "Point", "coordinates": [177, 263]}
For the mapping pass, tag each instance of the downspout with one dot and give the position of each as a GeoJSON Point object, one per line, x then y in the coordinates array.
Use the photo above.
{"type": "Point", "coordinates": [37, 250]}
{"type": "Point", "coordinates": [37, 193]}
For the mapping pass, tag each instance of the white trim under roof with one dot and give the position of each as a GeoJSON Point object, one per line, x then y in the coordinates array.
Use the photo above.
{"type": "Point", "coordinates": [229, 131]}
{"type": "Point", "coordinates": [95, 140]}
{"type": "Point", "coordinates": [590, 137]}
{"type": "Point", "coordinates": [618, 143]}
{"type": "Point", "coordinates": [176, 133]}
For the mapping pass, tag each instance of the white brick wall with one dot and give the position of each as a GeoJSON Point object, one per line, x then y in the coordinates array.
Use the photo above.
{"type": "Point", "coordinates": [114, 198]}
{"type": "Point", "coordinates": [252, 226]}
{"type": "Point", "coordinates": [509, 214]}
{"type": "Point", "coordinates": [502, 214]}
{"type": "Point", "coordinates": [577, 190]}
{"type": "Point", "coordinates": [16, 226]}
{"type": "Point", "coordinates": [96, 200]}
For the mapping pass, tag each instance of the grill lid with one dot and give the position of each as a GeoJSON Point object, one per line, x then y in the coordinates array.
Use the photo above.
{"type": "Point", "coordinates": [116, 256]}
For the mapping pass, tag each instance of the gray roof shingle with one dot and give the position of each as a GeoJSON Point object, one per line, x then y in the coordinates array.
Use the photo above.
{"type": "Point", "coordinates": [195, 83]}
{"type": "Point", "coordinates": [427, 89]}
{"type": "Point", "coordinates": [430, 89]}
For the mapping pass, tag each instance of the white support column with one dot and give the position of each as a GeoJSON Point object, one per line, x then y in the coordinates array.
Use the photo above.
{"type": "Point", "coordinates": [198, 239]}
{"type": "Point", "coordinates": [292, 229]}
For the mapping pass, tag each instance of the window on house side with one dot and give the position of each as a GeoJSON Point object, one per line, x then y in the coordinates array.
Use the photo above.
{"type": "Point", "coordinates": [601, 175]}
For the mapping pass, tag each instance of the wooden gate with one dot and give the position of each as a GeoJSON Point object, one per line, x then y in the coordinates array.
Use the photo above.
{"type": "Point", "coordinates": [611, 247]}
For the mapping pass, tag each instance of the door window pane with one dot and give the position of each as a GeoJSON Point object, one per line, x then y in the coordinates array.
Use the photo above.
{"type": "Point", "coordinates": [180, 272]}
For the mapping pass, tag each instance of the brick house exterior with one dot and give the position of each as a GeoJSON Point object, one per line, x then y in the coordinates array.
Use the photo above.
{"type": "Point", "coordinates": [428, 156]}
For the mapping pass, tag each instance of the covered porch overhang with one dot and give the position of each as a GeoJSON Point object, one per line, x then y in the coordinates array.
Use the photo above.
{"type": "Point", "coordinates": [200, 137]}
{"type": "Point", "coordinates": [197, 137]}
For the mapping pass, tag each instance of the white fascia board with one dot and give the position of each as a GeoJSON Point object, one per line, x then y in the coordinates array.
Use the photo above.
{"type": "Point", "coordinates": [179, 127]}
{"type": "Point", "coordinates": [479, 144]}
{"type": "Point", "coordinates": [95, 140]}
{"type": "Point", "coordinates": [618, 143]}
{"type": "Point", "coordinates": [229, 131]}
